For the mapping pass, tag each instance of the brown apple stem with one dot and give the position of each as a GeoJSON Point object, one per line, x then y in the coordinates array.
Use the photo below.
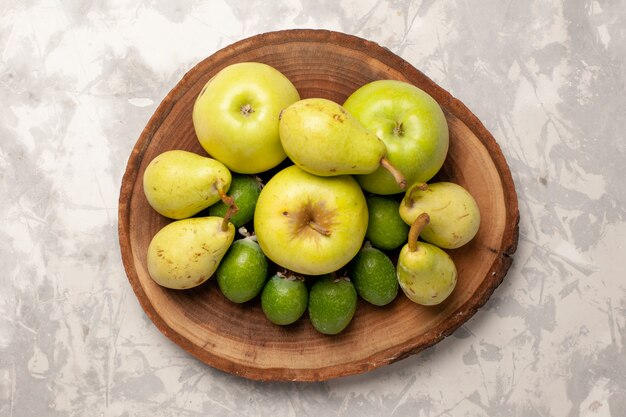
{"type": "Point", "coordinates": [320, 229]}
{"type": "Point", "coordinates": [415, 230]}
{"type": "Point", "coordinates": [397, 175]}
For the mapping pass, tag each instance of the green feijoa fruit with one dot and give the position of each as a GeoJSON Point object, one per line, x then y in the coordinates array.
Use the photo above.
{"type": "Point", "coordinates": [332, 304]}
{"type": "Point", "coordinates": [284, 299]}
{"type": "Point", "coordinates": [385, 229]}
{"type": "Point", "coordinates": [245, 190]}
{"type": "Point", "coordinates": [243, 271]}
{"type": "Point", "coordinates": [374, 276]}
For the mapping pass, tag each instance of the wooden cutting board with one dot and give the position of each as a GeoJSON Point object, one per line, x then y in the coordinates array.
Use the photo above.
{"type": "Point", "coordinates": [238, 338]}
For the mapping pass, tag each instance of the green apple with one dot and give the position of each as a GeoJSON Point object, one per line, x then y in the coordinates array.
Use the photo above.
{"type": "Point", "coordinates": [412, 126]}
{"type": "Point", "coordinates": [309, 224]}
{"type": "Point", "coordinates": [236, 116]}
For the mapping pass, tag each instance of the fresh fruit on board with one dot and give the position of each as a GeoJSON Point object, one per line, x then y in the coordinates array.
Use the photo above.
{"type": "Point", "coordinates": [454, 214]}
{"type": "Point", "coordinates": [412, 126]}
{"type": "Point", "coordinates": [236, 116]}
{"type": "Point", "coordinates": [179, 184]}
{"type": "Point", "coordinates": [310, 220]}
{"type": "Point", "coordinates": [322, 138]}
{"type": "Point", "coordinates": [309, 224]}
{"type": "Point", "coordinates": [426, 274]}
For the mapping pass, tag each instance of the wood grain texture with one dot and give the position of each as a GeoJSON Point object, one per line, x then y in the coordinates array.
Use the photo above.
{"type": "Point", "coordinates": [238, 338]}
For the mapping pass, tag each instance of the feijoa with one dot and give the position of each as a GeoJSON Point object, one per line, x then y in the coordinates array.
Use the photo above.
{"type": "Point", "coordinates": [385, 230]}
{"type": "Point", "coordinates": [243, 271]}
{"type": "Point", "coordinates": [374, 276]}
{"type": "Point", "coordinates": [284, 298]}
{"type": "Point", "coordinates": [332, 304]}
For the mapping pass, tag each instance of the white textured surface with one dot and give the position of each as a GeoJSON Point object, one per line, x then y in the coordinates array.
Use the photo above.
{"type": "Point", "coordinates": [80, 79]}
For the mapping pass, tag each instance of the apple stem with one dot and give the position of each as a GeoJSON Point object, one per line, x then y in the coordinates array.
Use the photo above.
{"type": "Point", "coordinates": [246, 110]}
{"type": "Point", "coordinates": [320, 229]}
{"type": "Point", "coordinates": [415, 230]}
{"type": "Point", "coordinates": [397, 129]}
{"type": "Point", "coordinates": [397, 175]}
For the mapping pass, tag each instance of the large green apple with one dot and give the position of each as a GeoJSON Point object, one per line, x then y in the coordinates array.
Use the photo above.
{"type": "Point", "coordinates": [236, 116]}
{"type": "Point", "coordinates": [411, 124]}
{"type": "Point", "coordinates": [309, 224]}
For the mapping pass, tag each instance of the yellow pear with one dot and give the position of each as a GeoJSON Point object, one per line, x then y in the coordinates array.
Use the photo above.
{"type": "Point", "coordinates": [454, 214]}
{"type": "Point", "coordinates": [426, 274]}
{"type": "Point", "coordinates": [186, 253]}
{"type": "Point", "coordinates": [322, 138]}
{"type": "Point", "coordinates": [179, 184]}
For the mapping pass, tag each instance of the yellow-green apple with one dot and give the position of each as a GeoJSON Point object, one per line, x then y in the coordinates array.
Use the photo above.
{"type": "Point", "coordinates": [309, 224]}
{"type": "Point", "coordinates": [236, 116]}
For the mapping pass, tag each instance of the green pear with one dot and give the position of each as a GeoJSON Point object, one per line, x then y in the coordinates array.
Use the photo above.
{"type": "Point", "coordinates": [426, 274]}
{"type": "Point", "coordinates": [322, 138]}
{"type": "Point", "coordinates": [454, 214]}
{"type": "Point", "coordinates": [179, 184]}
{"type": "Point", "coordinates": [186, 253]}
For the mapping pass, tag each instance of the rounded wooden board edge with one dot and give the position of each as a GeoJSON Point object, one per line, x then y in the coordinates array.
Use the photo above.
{"type": "Point", "coordinates": [486, 289]}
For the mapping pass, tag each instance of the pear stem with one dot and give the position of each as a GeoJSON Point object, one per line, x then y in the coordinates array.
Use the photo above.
{"type": "Point", "coordinates": [397, 175]}
{"type": "Point", "coordinates": [226, 199]}
{"type": "Point", "coordinates": [422, 186]}
{"type": "Point", "coordinates": [232, 208]}
{"type": "Point", "coordinates": [415, 230]}
{"type": "Point", "coordinates": [320, 229]}
{"type": "Point", "coordinates": [418, 186]}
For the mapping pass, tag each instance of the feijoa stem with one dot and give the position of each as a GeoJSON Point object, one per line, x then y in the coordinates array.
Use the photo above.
{"type": "Point", "coordinates": [415, 230]}
{"type": "Point", "coordinates": [397, 175]}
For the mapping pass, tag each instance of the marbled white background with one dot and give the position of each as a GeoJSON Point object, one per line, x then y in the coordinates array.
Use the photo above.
{"type": "Point", "coordinates": [79, 80]}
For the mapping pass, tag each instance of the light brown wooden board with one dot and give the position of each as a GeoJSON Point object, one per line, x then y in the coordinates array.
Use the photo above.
{"type": "Point", "coordinates": [238, 338]}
